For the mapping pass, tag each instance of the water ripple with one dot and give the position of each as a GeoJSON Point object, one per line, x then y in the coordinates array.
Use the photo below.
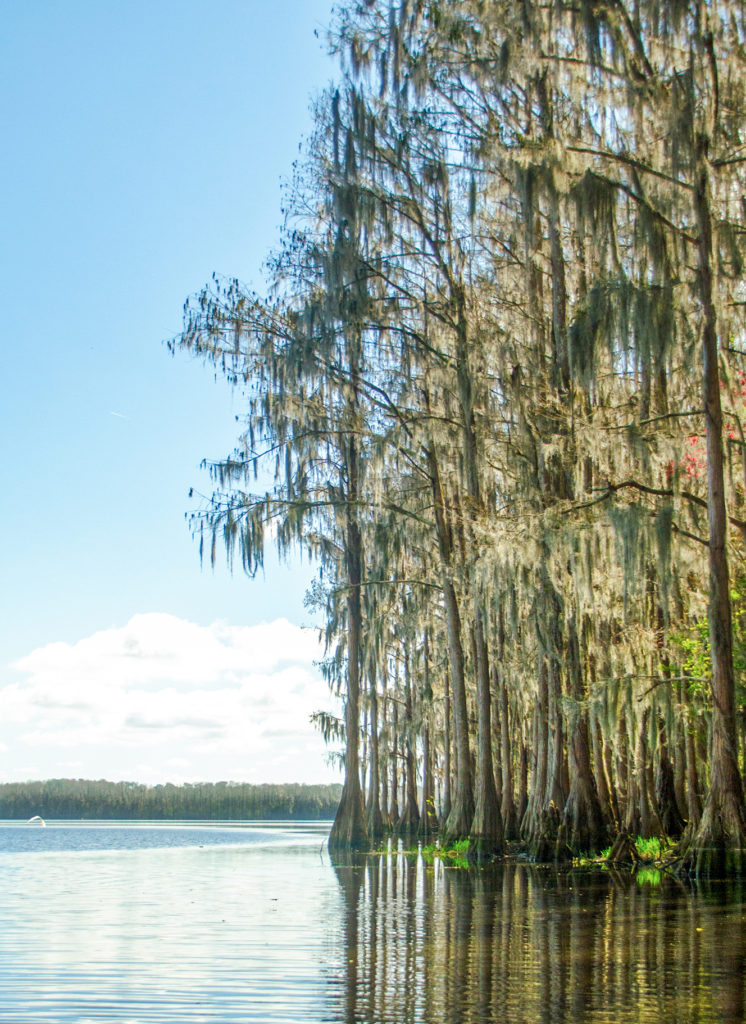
{"type": "Point", "coordinates": [206, 925]}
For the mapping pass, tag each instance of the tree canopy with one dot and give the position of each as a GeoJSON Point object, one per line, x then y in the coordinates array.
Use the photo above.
{"type": "Point", "coordinates": [500, 381]}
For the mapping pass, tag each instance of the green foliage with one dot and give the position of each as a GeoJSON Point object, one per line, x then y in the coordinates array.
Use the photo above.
{"type": "Point", "coordinates": [452, 856]}
{"type": "Point", "coordinates": [648, 849]}
{"type": "Point", "coordinates": [695, 648]}
{"type": "Point", "coordinates": [694, 645]}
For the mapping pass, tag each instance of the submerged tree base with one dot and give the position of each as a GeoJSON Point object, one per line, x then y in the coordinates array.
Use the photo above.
{"type": "Point", "coordinates": [717, 849]}
{"type": "Point", "coordinates": [486, 840]}
{"type": "Point", "coordinates": [459, 821]}
{"type": "Point", "coordinates": [582, 831]}
{"type": "Point", "coordinates": [541, 835]}
{"type": "Point", "coordinates": [349, 831]}
{"type": "Point", "coordinates": [485, 850]}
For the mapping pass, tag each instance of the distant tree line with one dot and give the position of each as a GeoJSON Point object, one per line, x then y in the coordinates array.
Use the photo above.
{"type": "Point", "coordinates": [81, 798]}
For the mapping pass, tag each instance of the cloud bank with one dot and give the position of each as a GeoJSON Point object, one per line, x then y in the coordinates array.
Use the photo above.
{"type": "Point", "coordinates": [164, 699]}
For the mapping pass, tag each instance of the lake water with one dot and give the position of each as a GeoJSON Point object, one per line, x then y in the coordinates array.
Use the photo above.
{"type": "Point", "coordinates": [224, 923]}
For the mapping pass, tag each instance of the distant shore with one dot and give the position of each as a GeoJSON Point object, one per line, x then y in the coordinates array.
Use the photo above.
{"type": "Point", "coordinates": [205, 801]}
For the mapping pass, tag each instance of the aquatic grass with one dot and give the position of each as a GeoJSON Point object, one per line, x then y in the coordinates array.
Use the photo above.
{"type": "Point", "coordinates": [453, 856]}
{"type": "Point", "coordinates": [653, 849]}
{"type": "Point", "coordinates": [649, 851]}
{"type": "Point", "coordinates": [457, 854]}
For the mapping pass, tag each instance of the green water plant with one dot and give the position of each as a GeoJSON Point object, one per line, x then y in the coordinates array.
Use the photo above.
{"type": "Point", "coordinates": [453, 855]}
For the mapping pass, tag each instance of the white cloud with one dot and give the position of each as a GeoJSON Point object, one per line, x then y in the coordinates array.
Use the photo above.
{"type": "Point", "coordinates": [174, 699]}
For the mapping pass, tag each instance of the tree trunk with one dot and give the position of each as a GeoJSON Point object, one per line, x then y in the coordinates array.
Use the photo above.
{"type": "Point", "coordinates": [428, 818]}
{"type": "Point", "coordinates": [461, 814]}
{"type": "Point", "coordinates": [603, 785]}
{"type": "Point", "coordinates": [384, 762]}
{"type": "Point", "coordinates": [486, 834]}
{"type": "Point", "coordinates": [542, 818]}
{"type": "Point", "coordinates": [522, 782]}
{"type": "Point", "coordinates": [583, 828]}
{"type": "Point", "coordinates": [349, 830]}
{"type": "Point", "coordinates": [719, 845]}
{"type": "Point", "coordinates": [508, 808]}
{"type": "Point", "coordinates": [394, 802]}
{"type": "Point", "coordinates": [374, 818]}
{"type": "Point", "coordinates": [410, 817]}
{"type": "Point", "coordinates": [642, 814]}
{"type": "Point", "coordinates": [445, 809]}
{"type": "Point", "coordinates": [693, 799]}
{"type": "Point", "coordinates": [665, 790]}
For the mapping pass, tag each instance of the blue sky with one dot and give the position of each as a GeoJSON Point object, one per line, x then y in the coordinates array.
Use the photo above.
{"type": "Point", "coordinates": [144, 148]}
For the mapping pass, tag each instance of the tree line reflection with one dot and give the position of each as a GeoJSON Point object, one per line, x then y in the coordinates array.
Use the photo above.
{"type": "Point", "coordinates": [522, 943]}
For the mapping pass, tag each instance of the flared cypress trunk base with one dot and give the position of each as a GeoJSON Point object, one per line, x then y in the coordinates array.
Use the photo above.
{"type": "Point", "coordinates": [541, 835]}
{"type": "Point", "coordinates": [717, 849]}
{"type": "Point", "coordinates": [486, 840]}
{"type": "Point", "coordinates": [458, 822]}
{"type": "Point", "coordinates": [509, 815]}
{"type": "Point", "coordinates": [349, 831]}
{"type": "Point", "coordinates": [409, 823]}
{"type": "Point", "coordinates": [583, 829]}
{"type": "Point", "coordinates": [375, 824]}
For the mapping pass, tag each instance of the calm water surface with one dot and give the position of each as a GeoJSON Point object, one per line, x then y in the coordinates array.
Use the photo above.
{"type": "Point", "coordinates": [162, 923]}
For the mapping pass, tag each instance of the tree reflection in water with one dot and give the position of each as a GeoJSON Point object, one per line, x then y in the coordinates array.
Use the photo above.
{"type": "Point", "coordinates": [427, 945]}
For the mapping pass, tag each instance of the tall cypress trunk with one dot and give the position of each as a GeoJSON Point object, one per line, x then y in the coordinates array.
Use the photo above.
{"type": "Point", "coordinates": [373, 815]}
{"type": "Point", "coordinates": [487, 839]}
{"type": "Point", "coordinates": [540, 821]}
{"type": "Point", "coordinates": [486, 829]}
{"type": "Point", "coordinates": [719, 845]}
{"type": "Point", "coordinates": [349, 830]}
{"type": "Point", "coordinates": [384, 761]}
{"type": "Point", "coordinates": [445, 809]}
{"type": "Point", "coordinates": [410, 817]}
{"type": "Point", "coordinates": [603, 784]}
{"type": "Point", "coordinates": [522, 782]}
{"type": "Point", "coordinates": [693, 799]}
{"type": "Point", "coordinates": [583, 827]}
{"type": "Point", "coordinates": [642, 818]}
{"type": "Point", "coordinates": [507, 807]}
{"type": "Point", "coordinates": [428, 818]}
{"type": "Point", "coordinates": [461, 813]}
{"type": "Point", "coordinates": [394, 802]}
{"type": "Point", "coordinates": [665, 789]}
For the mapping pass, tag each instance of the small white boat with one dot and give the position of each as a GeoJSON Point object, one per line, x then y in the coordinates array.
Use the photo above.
{"type": "Point", "coordinates": [36, 820]}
